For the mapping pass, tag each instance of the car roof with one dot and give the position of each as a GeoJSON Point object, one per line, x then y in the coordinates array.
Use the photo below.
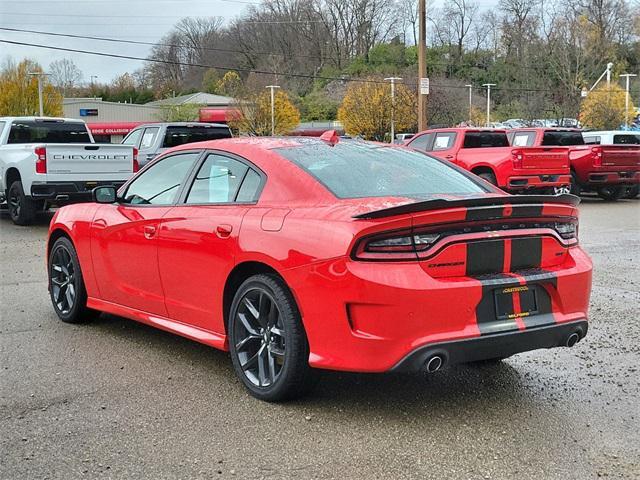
{"type": "Point", "coordinates": [182, 124]}
{"type": "Point", "coordinates": [31, 119]}
{"type": "Point", "coordinates": [611, 132]}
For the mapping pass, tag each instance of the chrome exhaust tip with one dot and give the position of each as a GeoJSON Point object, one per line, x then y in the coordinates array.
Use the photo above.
{"type": "Point", "coordinates": [572, 339]}
{"type": "Point", "coordinates": [434, 364]}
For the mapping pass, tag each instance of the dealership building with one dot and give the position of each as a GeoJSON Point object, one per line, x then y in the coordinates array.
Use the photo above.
{"type": "Point", "coordinates": [111, 121]}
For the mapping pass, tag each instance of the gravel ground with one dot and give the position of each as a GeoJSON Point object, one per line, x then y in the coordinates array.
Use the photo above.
{"type": "Point", "coordinates": [117, 399]}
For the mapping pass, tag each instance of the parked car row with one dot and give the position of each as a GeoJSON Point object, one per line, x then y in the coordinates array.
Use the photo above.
{"type": "Point", "coordinates": [544, 160]}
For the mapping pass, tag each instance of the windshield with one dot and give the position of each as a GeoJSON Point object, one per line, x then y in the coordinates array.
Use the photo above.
{"type": "Point", "coordinates": [48, 131]}
{"type": "Point", "coordinates": [485, 140]}
{"type": "Point", "coordinates": [185, 134]}
{"type": "Point", "coordinates": [359, 169]}
{"type": "Point", "coordinates": [564, 139]}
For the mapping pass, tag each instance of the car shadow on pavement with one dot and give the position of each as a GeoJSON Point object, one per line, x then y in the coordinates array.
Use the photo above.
{"type": "Point", "coordinates": [42, 219]}
{"type": "Point", "coordinates": [461, 386]}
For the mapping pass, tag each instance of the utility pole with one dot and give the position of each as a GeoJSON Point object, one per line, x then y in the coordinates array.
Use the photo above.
{"type": "Point", "coordinates": [393, 104]}
{"type": "Point", "coordinates": [470, 87]}
{"type": "Point", "coordinates": [422, 63]}
{"type": "Point", "coordinates": [273, 108]}
{"type": "Point", "coordinates": [93, 87]}
{"type": "Point", "coordinates": [39, 76]}
{"type": "Point", "coordinates": [609, 67]}
{"type": "Point", "coordinates": [626, 98]}
{"type": "Point", "coordinates": [488, 85]}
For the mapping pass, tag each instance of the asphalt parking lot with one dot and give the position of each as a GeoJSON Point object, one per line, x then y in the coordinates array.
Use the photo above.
{"type": "Point", "coordinates": [117, 399]}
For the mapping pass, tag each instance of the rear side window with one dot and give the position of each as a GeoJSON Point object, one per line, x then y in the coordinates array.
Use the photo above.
{"type": "Point", "coordinates": [627, 139]}
{"type": "Point", "coordinates": [485, 140]}
{"type": "Point", "coordinates": [564, 139]}
{"type": "Point", "coordinates": [222, 179]}
{"type": "Point", "coordinates": [48, 132]}
{"type": "Point", "coordinates": [523, 139]}
{"type": "Point", "coordinates": [359, 169]}
{"type": "Point", "coordinates": [179, 135]}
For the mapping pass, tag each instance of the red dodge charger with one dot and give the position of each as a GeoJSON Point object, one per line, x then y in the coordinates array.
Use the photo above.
{"type": "Point", "coordinates": [295, 254]}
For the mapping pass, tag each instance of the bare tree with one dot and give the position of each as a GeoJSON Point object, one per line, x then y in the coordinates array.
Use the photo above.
{"type": "Point", "coordinates": [65, 75]}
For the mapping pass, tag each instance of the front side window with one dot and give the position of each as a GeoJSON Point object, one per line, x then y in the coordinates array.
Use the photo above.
{"type": "Point", "coordinates": [221, 179]}
{"type": "Point", "coordinates": [444, 141]}
{"type": "Point", "coordinates": [360, 169]}
{"type": "Point", "coordinates": [161, 182]}
{"type": "Point", "coordinates": [133, 138]}
{"type": "Point", "coordinates": [148, 137]}
{"type": "Point", "coordinates": [421, 142]}
{"type": "Point", "coordinates": [523, 139]}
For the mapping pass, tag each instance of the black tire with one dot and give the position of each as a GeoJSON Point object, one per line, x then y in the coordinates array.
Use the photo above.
{"type": "Point", "coordinates": [575, 185]}
{"type": "Point", "coordinates": [632, 192]}
{"type": "Point", "coordinates": [489, 177]}
{"type": "Point", "coordinates": [22, 209]}
{"type": "Point", "coordinates": [66, 284]}
{"type": "Point", "coordinates": [267, 341]}
{"type": "Point", "coordinates": [611, 193]}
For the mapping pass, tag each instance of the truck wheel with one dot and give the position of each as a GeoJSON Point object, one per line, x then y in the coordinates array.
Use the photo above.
{"type": "Point", "coordinates": [633, 192]}
{"type": "Point", "coordinates": [22, 209]}
{"type": "Point", "coordinates": [489, 177]}
{"type": "Point", "coordinates": [611, 193]}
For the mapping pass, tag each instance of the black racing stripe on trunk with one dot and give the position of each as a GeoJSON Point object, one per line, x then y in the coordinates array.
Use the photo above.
{"type": "Point", "coordinates": [544, 316]}
{"type": "Point", "coordinates": [527, 210]}
{"type": "Point", "coordinates": [526, 253]}
{"type": "Point", "coordinates": [486, 318]}
{"type": "Point", "coordinates": [484, 257]}
{"type": "Point", "coordinates": [484, 213]}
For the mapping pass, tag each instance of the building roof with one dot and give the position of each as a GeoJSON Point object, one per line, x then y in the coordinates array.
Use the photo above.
{"type": "Point", "coordinates": [199, 98]}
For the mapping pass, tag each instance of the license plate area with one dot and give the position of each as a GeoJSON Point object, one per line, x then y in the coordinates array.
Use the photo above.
{"type": "Point", "coordinates": [506, 300]}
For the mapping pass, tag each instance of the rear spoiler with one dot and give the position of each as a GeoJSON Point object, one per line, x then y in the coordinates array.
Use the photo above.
{"type": "Point", "coordinates": [441, 204]}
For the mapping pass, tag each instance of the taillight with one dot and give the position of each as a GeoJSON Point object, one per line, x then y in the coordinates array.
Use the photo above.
{"type": "Point", "coordinates": [517, 158]}
{"type": "Point", "coordinates": [596, 152]}
{"type": "Point", "coordinates": [41, 159]}
{"type": "Point", "coordinates": [397, 246]}
{"type": "Point", "coordinates": [136, 165]}
{"type": "Point", "coordinates": [568, 231]}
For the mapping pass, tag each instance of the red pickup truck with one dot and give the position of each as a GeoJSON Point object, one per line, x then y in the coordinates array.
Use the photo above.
{"type": "Point", "coordinates": [610, 170]}
{"type": "Point", "coordinates": [487, 153]}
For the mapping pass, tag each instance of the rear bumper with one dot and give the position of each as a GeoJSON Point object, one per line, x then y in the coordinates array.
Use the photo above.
{"type": "Point", "coordinates": [628, 177]}
{"type": "Point", "coordinates": [64, 193]}
{"type": "Point", "coordinates": [522, 182]}
{"type": "Point", "coordinates": [498, 345]}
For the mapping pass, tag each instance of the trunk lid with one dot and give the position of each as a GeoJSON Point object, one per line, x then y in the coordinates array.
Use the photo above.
{"type": "Point", "coordinates": [620, 155]}
{"type": "Point", "coordinates": [542, 158]}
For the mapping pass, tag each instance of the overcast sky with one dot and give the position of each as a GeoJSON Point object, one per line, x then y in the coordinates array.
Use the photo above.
{"type": "Point", "coordinates": [140, 20]}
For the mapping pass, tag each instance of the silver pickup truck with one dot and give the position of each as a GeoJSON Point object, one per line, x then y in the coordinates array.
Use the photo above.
{"type": "Point", "coordinates": [154, 138]}
{"type": "Point", "coordinates": [54, 161]}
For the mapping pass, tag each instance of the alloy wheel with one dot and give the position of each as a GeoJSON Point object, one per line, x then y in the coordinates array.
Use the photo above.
{"type": "Point", "coordinates": [14, 203]}
{"type": "Point", "coordinates": [562, 190]}
{"type": "Point", "coordinates": [63, 286]}
{"type": "Point", "coordinates": [259, 336]}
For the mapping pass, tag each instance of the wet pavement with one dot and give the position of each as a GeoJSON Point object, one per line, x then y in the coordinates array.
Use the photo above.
{"type": "Point", "coordinates": [117, 399]}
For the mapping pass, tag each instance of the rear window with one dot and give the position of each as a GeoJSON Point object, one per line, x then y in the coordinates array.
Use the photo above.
{"type": "Point", "coordinates": [48, 132]}
{"type": "Point", "coordinates": [485, 140]}
{"type": "Point", "coordinates": [359, 169]}
{"type": "Point", "coordinates": [627, 139]}
{"type": "Point", "coordinates": [564, 139]}
{"type": "Point", "coordinates": [184, 134]}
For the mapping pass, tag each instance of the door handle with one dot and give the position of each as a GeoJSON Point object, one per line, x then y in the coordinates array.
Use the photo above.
{"type": "Point", "coordinates": [223, 231]}
{"type": "Point", "coordinates": [149, 232]}
{"type": "Point", "coordinates": [448, 157]}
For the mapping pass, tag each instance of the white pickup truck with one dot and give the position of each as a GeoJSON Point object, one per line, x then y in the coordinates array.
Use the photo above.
{"type": "Point", "coordinates": [54, 161]}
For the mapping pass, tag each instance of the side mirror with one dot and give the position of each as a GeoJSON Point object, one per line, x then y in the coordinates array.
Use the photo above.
{"type": "Point", "coordinates": [104, 194]}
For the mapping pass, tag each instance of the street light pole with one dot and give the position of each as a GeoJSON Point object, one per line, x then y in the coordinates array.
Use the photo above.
{"type": "Point", "coordinates": [422, 62]}
{"type": "Point", "coordinates": [626, 98]}
{"type": "Point", "coordinates": [470, 88]}
{"type": "Point", "coordinates": [393, 104]}
{"type": "Point", "coordinates": [93, 85]}
{"type": "Point", "coordinates": [273, 108]}
{"type": "Point", "coordinates": [488, 85]}
{"type": "Point", "coordinates": [39, 75]}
